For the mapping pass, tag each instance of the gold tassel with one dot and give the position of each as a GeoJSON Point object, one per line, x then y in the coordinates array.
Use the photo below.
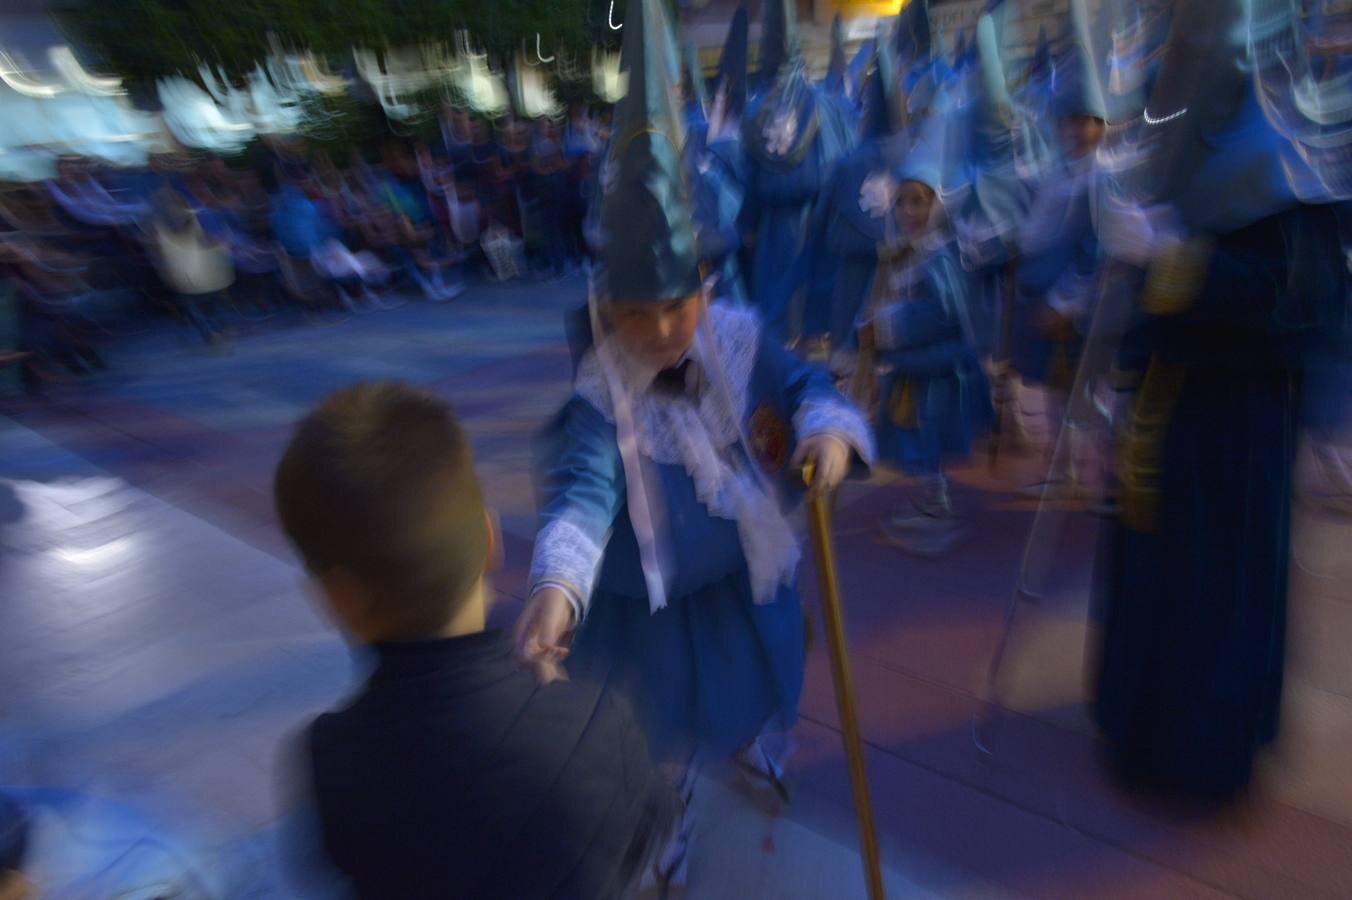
{"type": "Point", "coordinates": [901, 410]}
{"type": "Point", "coordinates": [1143, 450]}
{"type": "Point", "coordinates": [1176, 276]}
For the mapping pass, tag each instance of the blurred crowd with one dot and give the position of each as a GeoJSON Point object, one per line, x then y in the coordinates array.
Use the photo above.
{"type": "Point", "coordinates": [213, 244]}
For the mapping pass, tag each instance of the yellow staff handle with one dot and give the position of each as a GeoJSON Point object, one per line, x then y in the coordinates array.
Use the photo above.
{"type": "Point", "coordinates": [819, 521]}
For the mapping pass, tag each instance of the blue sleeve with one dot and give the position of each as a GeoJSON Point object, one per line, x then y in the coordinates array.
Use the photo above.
{"type": "Point", "coordinates": [818, 262]}
{"type": "Point", "coordinates": [581, 485]}
{"type": "Point", "coordinates": [810, 400]}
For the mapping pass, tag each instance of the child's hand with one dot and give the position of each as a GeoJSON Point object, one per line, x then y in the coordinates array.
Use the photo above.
{"type": "Point", "coordinates": [540, 635]}
{"type": "Point", "coordinates": [831, 461]}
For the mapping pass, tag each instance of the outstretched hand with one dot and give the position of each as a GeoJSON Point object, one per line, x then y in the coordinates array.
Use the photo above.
{"type": "Point", "coordinates": [830, 462]}
{"type": "Point", "coordinates": [541, 635]}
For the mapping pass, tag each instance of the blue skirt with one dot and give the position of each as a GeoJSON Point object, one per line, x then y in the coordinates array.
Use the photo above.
{"type": "Point", "coordinates": [712, 667]}
{"type": "Point", "coordinates": [925, 422]}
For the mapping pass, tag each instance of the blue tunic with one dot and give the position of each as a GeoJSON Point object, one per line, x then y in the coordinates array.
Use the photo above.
{"type": "Point", "coordinates": [935, 398]}
{"type": "Point", "coordinates": [712, 666]}
{"type": "Point", "coordinates": [1057, 268]}
{"type": "Point", "coordinates": [789, 164]}
{"type": "Point", "coordinates": [718, 190]}
{"type": "Point", "coordinates": [849, 227]}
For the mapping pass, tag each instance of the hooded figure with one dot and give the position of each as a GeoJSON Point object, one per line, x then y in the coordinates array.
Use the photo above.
{"type": "Point", "coordinates": [666, 480]}
{"type": "Point", "coordinates": [859, 67]}
{"type": "Point", "coordinates": [933, 399]}
{"type": "Point", "coordinates": [1057, 279]}
{"type": "Point", "coordinates": [1196, 566]}
{"type": "Point", "coordinates": [778, 43]}
{"type": "Point", "coordinates": [792, 136]}
{"type": "Point", "coordinates": [720, 169]}
{"type": "Point", "coordinates": [912, 35]}
{"type": "Point", "coordinates": [986, 180]}
{"type": "Point", "coordinates": [730, 87]}
{"type": "Point", "coordinates": [852, 214]}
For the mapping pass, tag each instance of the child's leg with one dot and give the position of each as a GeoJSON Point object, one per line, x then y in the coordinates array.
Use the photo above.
{"type": "Point", "coordinates": [927, 529]}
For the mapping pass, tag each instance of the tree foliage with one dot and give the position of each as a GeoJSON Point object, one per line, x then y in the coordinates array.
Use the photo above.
{"type": "Point", "coordinates": [145, 39]}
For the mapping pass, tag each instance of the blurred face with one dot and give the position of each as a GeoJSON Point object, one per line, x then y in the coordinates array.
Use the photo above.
{"type": "Point", "coordinates": [657, 334]}
{"type": "Point", "coordinates": [915, 203]}
{"type": "Point", "coordinates": [1080, 136]}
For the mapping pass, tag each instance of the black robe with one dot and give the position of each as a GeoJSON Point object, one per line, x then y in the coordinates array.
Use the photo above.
{"type": "Point", "coordinates": [452, 774]}
{"type": "Point", "coordinates": [1195, 572]}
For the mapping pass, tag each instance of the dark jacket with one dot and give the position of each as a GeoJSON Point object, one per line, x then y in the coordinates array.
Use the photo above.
{"type": "Point", "coordinates": [453, 774]}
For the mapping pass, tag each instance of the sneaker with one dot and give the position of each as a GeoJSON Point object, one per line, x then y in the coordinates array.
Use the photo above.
{"type": "Point", "coordinates": [758, 764]}
{"type": "Point", "coordinates": [671, 867]}
{"type": "Point", "coordinates": [1107, 507]}
{"type": "Point", "coordinates": [447, 292]}
{"type": "Point", "coordinates": [923, 535]}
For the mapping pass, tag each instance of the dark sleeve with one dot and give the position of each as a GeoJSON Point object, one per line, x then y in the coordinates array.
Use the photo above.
{"type": "Point", "coordinates": [307, 867]}
{"type": "Point", "coordinates": [641, 811]}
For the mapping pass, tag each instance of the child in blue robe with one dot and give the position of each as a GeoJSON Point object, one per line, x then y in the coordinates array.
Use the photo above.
{"type": "Point", "coordinates": [667, 478]}
{"type": "Point", "coordinates": [934, 397]}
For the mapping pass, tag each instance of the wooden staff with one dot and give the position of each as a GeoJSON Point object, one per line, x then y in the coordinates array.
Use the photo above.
{"type": "Point", "coordinates": [819, 520]}
{"type": "Point", "coordinates": [1005, 405]}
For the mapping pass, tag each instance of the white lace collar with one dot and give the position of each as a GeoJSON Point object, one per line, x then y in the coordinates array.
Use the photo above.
{"type": "Point", "coordinates": [701, 437]}
{"type": "Point", "coordinates": [735, 336]}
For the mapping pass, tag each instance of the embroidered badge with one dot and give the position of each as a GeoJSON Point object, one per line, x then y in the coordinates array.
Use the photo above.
{"type": "Point", "coordinates": [876, 194]}
{"type": "Point", "coordinates": [769, 439]}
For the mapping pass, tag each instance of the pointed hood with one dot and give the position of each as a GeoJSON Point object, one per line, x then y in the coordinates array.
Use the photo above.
{"type": "Point", "coordinates": [924, 161]}
{"type": "Point", "coordinates": [835, 70]}
{"type": "Point", "coordinates": [884, 105]}
{"type": "Point", "coordinates": [778, 41]}
{"type": "Point", "coordinates": [696, 94]}
{"type": "Point", "coordinates": [1076, 90]}
{"type": "Point", "coordinates": [992, 94]}
{"type": "Point", "coordinates": [959, 51]}
{"type": "Point", "coordinates": [912, 37]}
{"type": "Point", "coordinates": [649, 244]}
{"type": "Point", "coordinates": [731, 75]}
{"type": "Point", "coordinates": [859, 66]}
{"type": "Point", "coordinates": [1040, 63]}
{"type": "Point", "coordinates": [1076, 87]}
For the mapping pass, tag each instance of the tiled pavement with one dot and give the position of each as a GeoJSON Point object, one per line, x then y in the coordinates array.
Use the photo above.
{"type": "Point", "coordinates": [156, 644]}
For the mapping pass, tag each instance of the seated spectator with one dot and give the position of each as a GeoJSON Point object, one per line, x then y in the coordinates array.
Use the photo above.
{"type": "Point", "coordinates": [196, 266]}
{"type": "Point", "coordinates": [308, 237]}
{"type": "Point", "coordinates": [450, 773]}
{"type": "Point", "coordinates": [55, 310]}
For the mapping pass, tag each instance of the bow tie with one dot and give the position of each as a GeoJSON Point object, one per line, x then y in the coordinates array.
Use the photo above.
{"type": "Point", "coordinates": [679, 381]}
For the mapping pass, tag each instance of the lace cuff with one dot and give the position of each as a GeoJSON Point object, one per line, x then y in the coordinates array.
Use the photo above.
{"type": "Point", "coordinates": [836, 418]}
{"type": "Point", "coordinates": [566, 557]}
{"type": "Point", "coordinates": [570, 592]}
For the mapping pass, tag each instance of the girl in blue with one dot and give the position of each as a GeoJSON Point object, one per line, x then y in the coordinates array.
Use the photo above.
{"type": "Point", "coordinates": [666, 479]}
{"type": "Point", "coordinates": [934, 396]}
